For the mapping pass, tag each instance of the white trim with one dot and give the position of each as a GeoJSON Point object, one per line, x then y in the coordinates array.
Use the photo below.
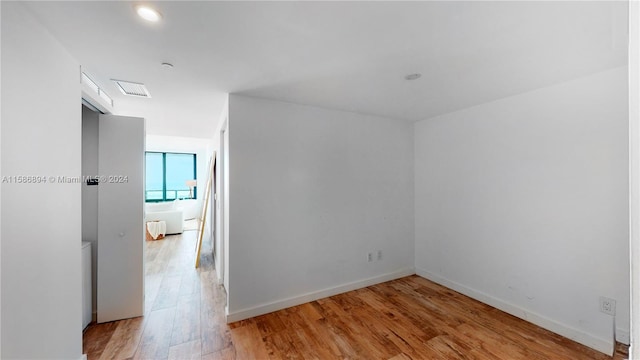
{"type": "Point", "coordinates": [622, 335]}
{"type": "Point", "coordinates": [602, 345]}
{"type": "Point", "coordinates": [95, 100]}
{"type": "Point", "coordinates": [634, 173]}
{"type": "Point", "coordinates": [312, 296]}
{"type": "Point", "coordinates": [83, 357]}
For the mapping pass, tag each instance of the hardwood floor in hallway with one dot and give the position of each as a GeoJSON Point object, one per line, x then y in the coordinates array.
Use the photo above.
{"type": "Point", "coordinates": [409, 318]}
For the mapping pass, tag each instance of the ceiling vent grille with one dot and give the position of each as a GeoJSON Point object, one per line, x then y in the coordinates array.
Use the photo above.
{"type": "Point", "coordinates": [132, 89]}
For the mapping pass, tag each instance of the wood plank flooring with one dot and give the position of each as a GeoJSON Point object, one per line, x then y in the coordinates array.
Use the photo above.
{"type": "Point", "coordinates": [409, 318]}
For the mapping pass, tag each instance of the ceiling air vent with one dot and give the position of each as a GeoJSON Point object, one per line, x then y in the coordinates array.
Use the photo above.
{"type": "Point", "coordinates": [132, 89]}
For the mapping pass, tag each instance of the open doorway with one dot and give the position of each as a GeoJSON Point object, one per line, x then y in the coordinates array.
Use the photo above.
{"type": "Point", "coordinates": [112, 215]}
{"type": "Point", "coordinates": [89, 212]}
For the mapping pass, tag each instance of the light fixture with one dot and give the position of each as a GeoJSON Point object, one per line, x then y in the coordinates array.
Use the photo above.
{"type": "Point", "coordinates": [148, 13]}
{"type": "Point", "coordinates": [167, 65]}
{"type": "Point", "coordinates": [413, 76]}
{"type": "Point", "coordinates": [191, 184]}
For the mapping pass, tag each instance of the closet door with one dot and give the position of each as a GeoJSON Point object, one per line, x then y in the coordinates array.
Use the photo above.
{"type": "Point", "coordinates": [120, 218]}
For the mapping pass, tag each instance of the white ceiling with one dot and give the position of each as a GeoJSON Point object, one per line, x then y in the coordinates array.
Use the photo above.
{"type": "Point", "coordinates": [344, 55]}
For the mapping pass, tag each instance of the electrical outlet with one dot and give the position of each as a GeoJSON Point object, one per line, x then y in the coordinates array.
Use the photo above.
{"type": "Point", "coordinates": [607, 306]}
{"type": "Point", "coordinates": [369, 257]}
{"type": "Point", "coordinates": [379, 255]}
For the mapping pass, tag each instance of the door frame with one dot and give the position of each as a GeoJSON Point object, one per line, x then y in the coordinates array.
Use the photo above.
{"type": "Point", "coordinates": [222, 207]}
{"type": "Point", "coordinates": [634, 175]}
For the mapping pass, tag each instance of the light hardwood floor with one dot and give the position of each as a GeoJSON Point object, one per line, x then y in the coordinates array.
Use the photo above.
{"type": "Point", "coordinates": [409, 318]}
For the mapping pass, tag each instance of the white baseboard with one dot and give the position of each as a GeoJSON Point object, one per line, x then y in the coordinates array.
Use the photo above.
{"type": "Point", "coordinates": [312, 296]}
{"type": "Point", "coordinates": [216, 264]}
{"type": "Point", "coordinates": [602, 345]}
{"type": "Point", "coordinates": [623, 336]}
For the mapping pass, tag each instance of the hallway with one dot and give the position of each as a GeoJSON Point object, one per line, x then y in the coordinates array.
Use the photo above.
{"type": "Point", "coordinates": [184, 309]}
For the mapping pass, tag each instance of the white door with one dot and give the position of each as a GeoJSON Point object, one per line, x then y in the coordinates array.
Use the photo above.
{"type": "Point", "coordinates": [120, 218]}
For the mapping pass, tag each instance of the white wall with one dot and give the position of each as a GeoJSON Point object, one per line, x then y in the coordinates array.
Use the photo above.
{"type": "Point", "coordinates": [311, 192]}
{"type": "Point", "coordinates": [0, 190]}
{"type": "Point", "coordinates": [41, 227]}
{"type": "Point", "coordinates": [522, 203]}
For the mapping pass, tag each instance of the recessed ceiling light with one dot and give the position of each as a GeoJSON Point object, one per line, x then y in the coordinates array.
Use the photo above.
{"type": "Point", "coordinates": [148, 13]}
{"type": "Point", "coordinates": [167, 65]}
{"type": "Point", "coordinates": [413, 76]}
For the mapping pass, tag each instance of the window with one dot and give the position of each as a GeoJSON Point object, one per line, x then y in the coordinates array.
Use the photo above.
{"type": "Point", "coordinates": [167, 174]}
